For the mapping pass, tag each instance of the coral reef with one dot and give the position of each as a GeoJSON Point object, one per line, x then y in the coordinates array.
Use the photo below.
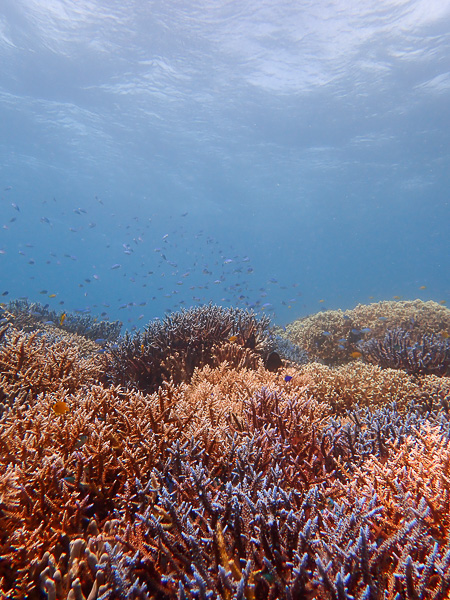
{"type": "Point", "coordinates": [399, 350]}
{"type": "Point", "coordinates": [332, 336]}
{"type": "Point", "coordinates": [171, 349]}
{"type": "Point", "coordinates": [370, 385]}
{"type": "Point", "coordinates": [30, 316]}
{"type": "Point", "coordinates": [35, 363]}
{"type": "Point", "coordinates": [221, 479]}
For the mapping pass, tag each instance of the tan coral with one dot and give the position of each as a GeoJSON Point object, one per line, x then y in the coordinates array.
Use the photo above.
{"type": "Point", "coordinates": [356, 383]}
{"type": "Point", "coordinates": [34, 364]}
{"type": "Point", "coordinates": [320, 334]}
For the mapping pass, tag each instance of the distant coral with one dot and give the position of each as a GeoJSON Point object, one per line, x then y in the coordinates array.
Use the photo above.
{"type": "Point", "coordinates": [171, 349]}
{"type": "Point", "coordinates": [30, 316]}
{"type": "Point", "coordinates": [332, 336]}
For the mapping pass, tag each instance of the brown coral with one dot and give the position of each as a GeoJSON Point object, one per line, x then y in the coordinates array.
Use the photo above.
{"type": "Point", "coordinates": [34, 363]}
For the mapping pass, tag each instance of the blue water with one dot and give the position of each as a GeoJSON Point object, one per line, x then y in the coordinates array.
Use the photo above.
{"type": "Point", "coordinates": [289, 156]}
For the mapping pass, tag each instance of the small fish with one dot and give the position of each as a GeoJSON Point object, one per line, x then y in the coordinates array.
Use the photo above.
{"type": "Point", "coordinates": [287, 378]}
{"type": "Point", "coordinates": [445, 334]}
{"type": "Point", "coordinates": [62, 318]}
{"type": "Point", "coordinates": [355, 354]}
{"type": "Point", "coordinates": [5, 293]}
{"type": "Point", "coordinates": [423, 287]}
{"type": "Point", "coordinates": [321, 301]}
{"type": "Point", "coordinates": [52, 295]}
{"type": "Point", "coordinates": [326, 333]}
{"type": "Point", "coordinates": [233, 338]}
{"type": "Point", "coordinates": [116, 266]}
{"type": "Point", "coordinates": [366, 330]}
{"type": "Point", "coordinates": [14, 205]}
{"type": "Point", "coordinates": [396, 297]}
{"type": "Point", "coordinates": [60, 407]}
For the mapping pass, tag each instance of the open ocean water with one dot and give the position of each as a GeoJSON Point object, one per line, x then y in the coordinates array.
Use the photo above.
{"type": "Point", "coordinates": [286, 156]}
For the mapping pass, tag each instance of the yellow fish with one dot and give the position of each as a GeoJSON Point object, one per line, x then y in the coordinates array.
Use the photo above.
{"type": "Point", "coordinates": [233, 338]}
{"type": "Point", "coordinates": [60, 407]}
{"type": "Point", "coordinates": [52, 295]}
{"type": "Point", "coordinates": [355, 354]}
{"type": "Point", "coordinates": [62, 319]}
{"type": "Point", "coordinates": [423, 287]}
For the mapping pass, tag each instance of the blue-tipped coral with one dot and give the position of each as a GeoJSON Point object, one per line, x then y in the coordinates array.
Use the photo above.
{"type": "Point", "coordinates": [399, 349]}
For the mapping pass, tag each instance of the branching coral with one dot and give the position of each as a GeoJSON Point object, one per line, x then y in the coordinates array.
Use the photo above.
{"type": "Point", "coordinates": [332, 336]}
{"type": "Point", "coordinates": [229, 481]}
{"type": "Point", "coordinates": [31, 316]}
{"type": "Point", "coordinates": [173, 348]}
{"type": "Point", "coordinates": [35, 363]}
{"type": "Point", "coordinates": [367, 385]}
{"type": "Point", "coordinates": [399, 350]}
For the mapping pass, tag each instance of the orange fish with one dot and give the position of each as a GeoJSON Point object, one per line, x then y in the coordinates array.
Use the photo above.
{"type": "Point", "coordinates": [62, 319]}
{"type": "Point", "coordinates": [233, 338]}
{"type": "Point", "coordinates": [355, 354]}
{"type": "Point", "coordinates": [423, 287]}
{"type": "Point", "coordinates": [52, 295]}
{"type": "Point", "coordinates": [445, 334]}
{"type": "Point", "coordinates": [60, 407]}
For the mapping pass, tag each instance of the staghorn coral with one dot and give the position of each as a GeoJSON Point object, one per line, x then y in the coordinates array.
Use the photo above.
{"type": "Point", "coordinates": [35, 363]}
{"type": "Point", "coordinates": [309, 482]}
{"type": "Point", "coordinates": [331, 336]}
{"type": "Point", "coordinates": [367, 385]}
{"type": "Point", "coordinates": [398, 350]}
{"type": "Point", "coordinates": [173, 348]}
{"type": "Point", "coordinates": [196, 506]}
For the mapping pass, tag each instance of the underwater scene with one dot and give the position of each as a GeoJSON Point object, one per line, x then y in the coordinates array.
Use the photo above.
{"type": "Point", "coordinates": [224, 278]}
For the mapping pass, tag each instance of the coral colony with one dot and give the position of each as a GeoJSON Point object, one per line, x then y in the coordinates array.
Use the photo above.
{"type": "Point", "coordinates": [214, 457]}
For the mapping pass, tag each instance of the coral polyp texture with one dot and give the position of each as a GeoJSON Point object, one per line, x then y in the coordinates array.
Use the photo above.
{"type": "Point", "coordinates": [182, 463]}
